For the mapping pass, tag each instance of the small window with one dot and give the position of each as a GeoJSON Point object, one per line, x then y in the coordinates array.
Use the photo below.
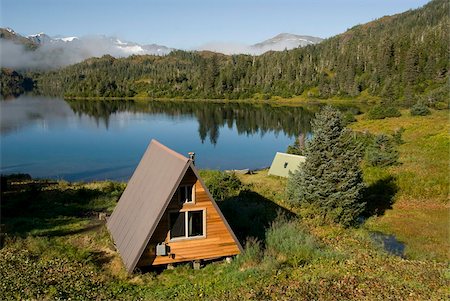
{"type": "Point", "coordinates": [187, 224]}
{"type": "Point", "coordinates": [195, 223]}
{"type": "Point", "coordinates": [177, 224]}
{"type": "Point", "coordinates": [285, 164]}
{"type": "Point", "coordinates": [186, 194]}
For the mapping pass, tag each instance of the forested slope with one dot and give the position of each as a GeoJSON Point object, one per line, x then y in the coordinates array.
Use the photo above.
{"type": "Point", "coordinates": [395, 57]}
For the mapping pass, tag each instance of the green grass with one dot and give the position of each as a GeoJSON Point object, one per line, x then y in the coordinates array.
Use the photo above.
{"type": "Point", "coordinates": [420, 214]}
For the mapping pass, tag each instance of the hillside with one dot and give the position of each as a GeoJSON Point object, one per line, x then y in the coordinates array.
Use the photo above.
{"type": "Point", "coordinates": [395, 57]}
{"type": "Point", "coordinates": [10, 35]}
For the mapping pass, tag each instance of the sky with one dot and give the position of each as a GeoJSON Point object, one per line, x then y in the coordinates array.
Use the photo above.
{"type": "Point", "coordinates": [187, 24]}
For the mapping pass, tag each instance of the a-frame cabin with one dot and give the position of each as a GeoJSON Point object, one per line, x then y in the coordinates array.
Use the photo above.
{"type": "Point", "coordinates": [167, 215]}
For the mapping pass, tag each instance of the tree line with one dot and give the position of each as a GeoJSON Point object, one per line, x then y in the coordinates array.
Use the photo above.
{"type": "Point", "coordinates": [401, 57]}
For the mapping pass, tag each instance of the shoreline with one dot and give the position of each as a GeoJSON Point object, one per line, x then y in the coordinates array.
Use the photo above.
{"type": "Point", "coordinates": [299, 100]}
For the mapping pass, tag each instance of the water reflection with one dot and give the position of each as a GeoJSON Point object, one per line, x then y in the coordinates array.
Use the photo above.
{"type": "Point", "coordinates": [18, 113]}
{"type": "Point", "coordinates": [248, 118]}
{"type": "Point", "coordinates": [87, 140]}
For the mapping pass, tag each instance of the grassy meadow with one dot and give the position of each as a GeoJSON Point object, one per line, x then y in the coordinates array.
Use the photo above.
{"type": "Point", "coordinates": [420, 215]}
{"type": "Point", "coordinates": [55, 246]}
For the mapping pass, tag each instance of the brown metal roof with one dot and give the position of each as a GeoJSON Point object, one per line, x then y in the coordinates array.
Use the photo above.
{"type": "Point", "coordinates": [145, 199]}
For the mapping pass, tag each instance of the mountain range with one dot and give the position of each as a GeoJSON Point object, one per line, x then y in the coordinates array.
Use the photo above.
{"type": "Point", "coordinates": [42, 51]}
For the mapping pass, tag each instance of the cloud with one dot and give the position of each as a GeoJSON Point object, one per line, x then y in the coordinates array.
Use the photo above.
{"type": "Point", "coordinates": [60, 53]}
{"type": "Point", "coordinates": [257, 49]}
{"type": "Point", "coordinates": [227, 48]}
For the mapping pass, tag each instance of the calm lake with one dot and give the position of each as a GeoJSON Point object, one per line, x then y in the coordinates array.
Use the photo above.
{"type": "Point", "coordinates": [87, 140]}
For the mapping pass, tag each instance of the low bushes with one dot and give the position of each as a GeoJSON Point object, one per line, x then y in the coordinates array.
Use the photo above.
{"type": "Point", "coordinates": [222, 185]}
{"type": "Point", "coordinates": [287, 242]}
{"type": "Point", "coordinates": [420, 109]}
{"type": "Point", "coordinates": [382, 111]}
{"type": "Point", "coordinates": [24, 275]}
{"type": "Point", "coordinates": [382, 151]}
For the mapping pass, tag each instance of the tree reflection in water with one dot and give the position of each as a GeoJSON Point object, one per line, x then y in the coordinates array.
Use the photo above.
{"type": "Point", "coordinates": [248, 118]}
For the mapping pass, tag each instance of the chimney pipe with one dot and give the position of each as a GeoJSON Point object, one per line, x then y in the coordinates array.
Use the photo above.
{"type": "Point", "coordinates": [192, 157]}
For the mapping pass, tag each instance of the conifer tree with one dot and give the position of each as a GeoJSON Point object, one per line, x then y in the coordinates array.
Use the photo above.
{"type": "Point", "coordinates": [382, 152]}
{"type": "Point", "coordinates": [329, 183]}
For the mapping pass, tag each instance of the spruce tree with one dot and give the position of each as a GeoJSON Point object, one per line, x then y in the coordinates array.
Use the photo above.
{"type": "Point", "coordinates": [382, 152]}
{"type": "Point", "coordinates": [329, 183]}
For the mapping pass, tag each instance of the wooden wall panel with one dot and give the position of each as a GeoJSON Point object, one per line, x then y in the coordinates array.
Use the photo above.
{"type": "Point", "coordinates": [217, 243]}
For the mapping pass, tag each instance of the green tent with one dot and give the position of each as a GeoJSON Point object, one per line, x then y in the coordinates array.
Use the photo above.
{"type": "Point", "coordinates": [284, 163]}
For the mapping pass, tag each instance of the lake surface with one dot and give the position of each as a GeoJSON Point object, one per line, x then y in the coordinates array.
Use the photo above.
{"type": "Point", "coordinates": [86, 140]}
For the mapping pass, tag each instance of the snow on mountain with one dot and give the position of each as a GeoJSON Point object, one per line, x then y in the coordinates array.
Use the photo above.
{"type": "Point", "coordinates": [278, 43]}
{"type": "Point", "coordinates": [40, 38]}
{"type": "Point", "coordinates": [285, 41]}
{"type": "Point", "coordinates": [68, 39]}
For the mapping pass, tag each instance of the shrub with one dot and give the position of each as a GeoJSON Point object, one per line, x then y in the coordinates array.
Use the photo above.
{"type": "Point", "coordinates": [24, 275]}
{"type": "Point", "coordinates": [397, 136]}
{"type": "Point", "coordinates": [252, 254]}
{"type": "Point", "coordinates": [381, 112]}
{"type": "Point", "coordinates": [382, 152]}
{"type": "Point", "coordinates": [349, 117]}
{"type": "Point", "coordinates": [289, 243]}
{"type": "Point", "coordinates": [222, 185]}
{"type": "Point", "coordinates": [420, 109]}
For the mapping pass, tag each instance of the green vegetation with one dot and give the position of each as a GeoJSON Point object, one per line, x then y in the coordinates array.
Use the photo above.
{"type": "Point", "coordinates": [222, 185]}
{"type": "Point", "coordinates": [382, 151]}
{"type": "Point", "coordinates": [420, 109]}
{"type": "Point", "coordinates": [419, 217]}
{"type": "Point", "coordinates": [13, 83]}
{"type": "Point", "coordinates": [401, 57]}
{"type": "Point", "coordinates": [56, 247]}
{"type": "Point", "coordinates": [383, 111]}
{"type": "Point", "coordinates": [329, 184]}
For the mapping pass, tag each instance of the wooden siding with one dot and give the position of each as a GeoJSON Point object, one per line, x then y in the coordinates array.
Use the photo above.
{"type": "Point", "coordinates": [217, 243]}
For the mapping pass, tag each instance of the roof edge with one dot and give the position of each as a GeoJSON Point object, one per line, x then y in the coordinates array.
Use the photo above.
{"type": "Point", "coordinates": [168, 150]}
{"type": "Point", "coordinates": [160, 214]}
{"type": "Point", "coordinates": [194, 169]}
{"type": "Point", "coordinates": [290, 155]}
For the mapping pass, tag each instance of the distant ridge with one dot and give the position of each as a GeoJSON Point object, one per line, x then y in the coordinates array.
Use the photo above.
{"type": "Point", "coordinates": [60, 51]}
{"type": "Point", "coordinates": [280, 42]}
{"type": "Point", "coordinates": [286, 41]}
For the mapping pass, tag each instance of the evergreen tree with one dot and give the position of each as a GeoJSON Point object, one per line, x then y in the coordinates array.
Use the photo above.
{"type": "Point", "coordinates": [382, 152]}
{"type": "Point", "coordinates": [420, 109]}
{"type": "Point", "coordinates": [329, 184]}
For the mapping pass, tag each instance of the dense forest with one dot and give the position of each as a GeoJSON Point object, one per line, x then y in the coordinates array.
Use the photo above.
{"type": "Point", "coordinates": [396, 57]}
{"type": "Point", "coordinates": [13, 83]}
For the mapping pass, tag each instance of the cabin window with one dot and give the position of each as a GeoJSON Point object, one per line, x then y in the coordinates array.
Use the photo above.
{"type": "Point", "coordinates": [177, 224]}
{"type": "Point", "coordinates": [187, 224]}
{"type": "Point", "coordinates": [285, 164]}
{"type": "Point", "coordinates": [186, 193]}
{"type": "Point", "coordinates": [195, 223]}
